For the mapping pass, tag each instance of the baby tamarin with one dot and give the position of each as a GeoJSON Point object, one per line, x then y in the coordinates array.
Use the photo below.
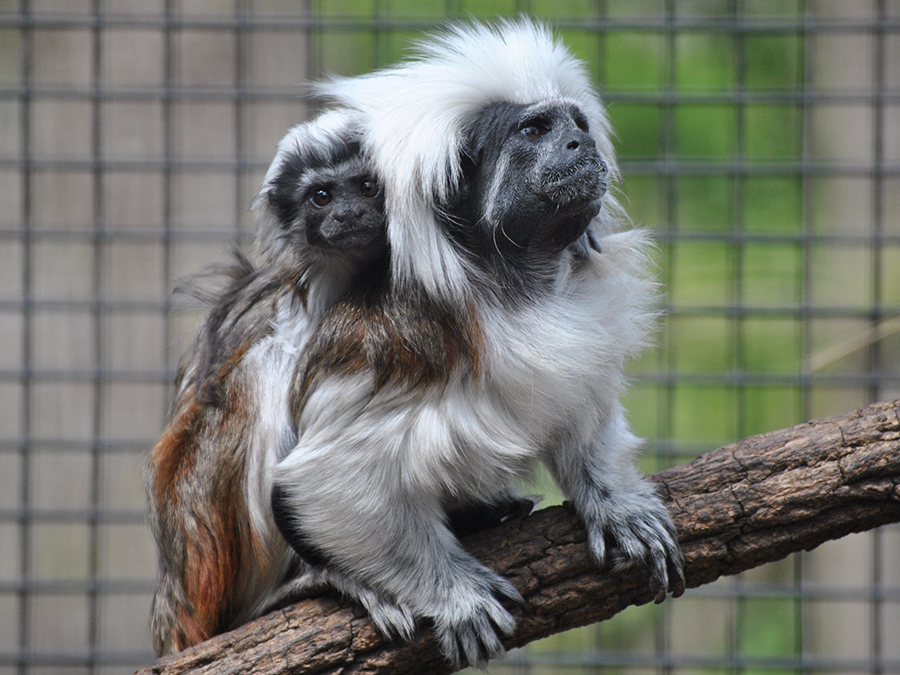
{"type": "Point", "coordinates": [322, 234]}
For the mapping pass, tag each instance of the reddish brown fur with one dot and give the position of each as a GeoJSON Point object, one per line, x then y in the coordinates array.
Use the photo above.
{"type": "Point", "coordinates": [409, 341]}
{"type": "Point", "coordinates": [174, 452]}
{"type": "Point", "coordinates": [197, 484]}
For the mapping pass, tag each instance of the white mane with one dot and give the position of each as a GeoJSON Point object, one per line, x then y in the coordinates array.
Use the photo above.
{"type": "Point", "coordinates": [416, 116]}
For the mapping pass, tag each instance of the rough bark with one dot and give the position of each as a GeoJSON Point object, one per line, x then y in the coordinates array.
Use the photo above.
{"type": "Point", "coordinates": [746, 504]}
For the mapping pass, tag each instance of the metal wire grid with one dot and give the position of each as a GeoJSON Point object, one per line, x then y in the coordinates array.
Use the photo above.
{"type": "Point", "coordinates": [134, 135]}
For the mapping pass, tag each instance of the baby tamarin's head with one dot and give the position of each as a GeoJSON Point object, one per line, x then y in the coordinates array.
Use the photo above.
{"type": "Point", "coordinates": [321, 203]}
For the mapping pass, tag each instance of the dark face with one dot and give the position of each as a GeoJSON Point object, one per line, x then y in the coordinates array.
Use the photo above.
{"type": "Point", "coordinates": [339, 207]}
{"type": "Point", "coordinates": [534, 178]}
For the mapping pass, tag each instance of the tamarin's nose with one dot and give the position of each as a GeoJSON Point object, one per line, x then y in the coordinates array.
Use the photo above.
{"type": "Point", "coordinates": [580, 140]}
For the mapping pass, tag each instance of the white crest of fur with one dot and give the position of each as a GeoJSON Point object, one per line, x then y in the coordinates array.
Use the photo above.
{"type": "Point", "coordinates": [415, 125]}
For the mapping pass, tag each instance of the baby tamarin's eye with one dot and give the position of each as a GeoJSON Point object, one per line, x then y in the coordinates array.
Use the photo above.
{"type": "Point", "coordinates": [369, 188]}
{"type": "Point", "coordinates": [321, 197]}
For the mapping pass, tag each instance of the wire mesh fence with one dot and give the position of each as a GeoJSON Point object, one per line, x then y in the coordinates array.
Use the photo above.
{"type": "Point", "coordinates": [760, 140]}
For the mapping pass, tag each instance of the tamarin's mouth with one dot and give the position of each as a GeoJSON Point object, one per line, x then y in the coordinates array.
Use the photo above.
{"type": "Point", "coordinates": [584, 166]}
{"type": "Point", "coordinates": [577, 184]}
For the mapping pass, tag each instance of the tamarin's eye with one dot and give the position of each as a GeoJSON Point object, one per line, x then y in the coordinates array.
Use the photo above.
{"type": "Point", "coordinates": [321, 197]}
{"type": "Point", "coordinates": [369, 188]}
{"type": "Point", "coordinates": [533, 131]}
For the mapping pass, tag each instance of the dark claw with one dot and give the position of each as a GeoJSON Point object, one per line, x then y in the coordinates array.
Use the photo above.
{"type": "Point", "coordinates": [677, 575]}
{"type": "Point", "coordinates": [678, 588]}
{"type": "Point", "coordinates": [667, 575]}
{"type": "Point", "coordinates": [660, 596]}
{"type": "Point", "coordinates": [659, 580]}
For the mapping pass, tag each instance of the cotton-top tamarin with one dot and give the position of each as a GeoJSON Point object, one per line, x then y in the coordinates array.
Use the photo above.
{"type": "Point", "coordinates": [497, 337]}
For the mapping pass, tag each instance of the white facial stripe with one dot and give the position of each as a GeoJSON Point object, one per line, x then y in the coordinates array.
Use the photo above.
{"type": "Point", "coordinates": [497, 185]}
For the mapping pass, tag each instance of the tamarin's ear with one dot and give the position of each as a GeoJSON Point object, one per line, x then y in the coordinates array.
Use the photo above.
{"type": "Point", "coordinates": [470, 154]}
{"type": "Point", "coordinates": [470, 158]}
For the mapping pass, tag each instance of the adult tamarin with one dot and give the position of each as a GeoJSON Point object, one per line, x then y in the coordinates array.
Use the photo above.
{"type": "Point", "coordinates": [496, 339]}
{"type": "Point", "coordinates": [322, 234]}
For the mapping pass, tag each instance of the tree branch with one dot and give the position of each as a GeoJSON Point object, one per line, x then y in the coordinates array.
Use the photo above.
{"type": "Point", "coordinates": [746, 504]}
